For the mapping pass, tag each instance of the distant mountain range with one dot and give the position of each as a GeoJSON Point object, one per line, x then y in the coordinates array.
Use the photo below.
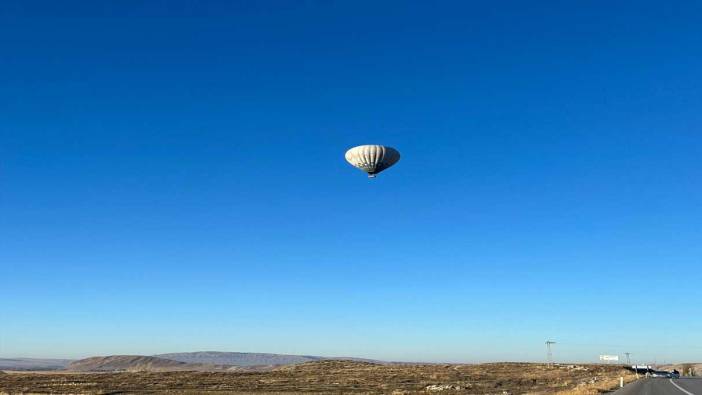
{"type": "Point", "coordinates": [33, 364]}
{"type": "Point", "coordinates": [134, 363]}
{"type": "Point", "coordinates": [198, 361]}
{"type": "Point", "coordinates": [247, 359]}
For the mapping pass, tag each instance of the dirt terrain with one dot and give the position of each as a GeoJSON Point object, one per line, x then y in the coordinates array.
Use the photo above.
{"type": "Point", "coordinates": [333, 377]}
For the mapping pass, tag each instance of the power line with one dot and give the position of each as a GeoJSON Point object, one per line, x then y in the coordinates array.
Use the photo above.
{"type": "Point", "coordinates": [666, 346]}
{"type": "Point", "coordinates": [549, 354]}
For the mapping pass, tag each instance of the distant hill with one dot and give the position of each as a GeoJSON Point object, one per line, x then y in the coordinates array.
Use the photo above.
{"type": "Point", "coordinates": [33, 363]}
{"type": "Point", "coordinates": [683, 368]}
{"type": "Point", "coordinates": [133, 363]}
{"type": "Point", "coordinates": [238, 358]}
{"type": "Point", "coordinates": [247, 359]}
{"type": "Point", "coordinates": [188, 361]}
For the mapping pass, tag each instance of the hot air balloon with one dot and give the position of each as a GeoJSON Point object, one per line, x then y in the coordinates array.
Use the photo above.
{"type": "Point", "coordinates": [372, 158]}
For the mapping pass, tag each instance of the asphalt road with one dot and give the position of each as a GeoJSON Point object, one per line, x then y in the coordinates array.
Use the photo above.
{"type": "Point", "coordinates": [661, 386]}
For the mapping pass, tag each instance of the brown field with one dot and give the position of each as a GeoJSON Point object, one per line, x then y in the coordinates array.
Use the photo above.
{"type": "Point", "coordinates": [333, 377]}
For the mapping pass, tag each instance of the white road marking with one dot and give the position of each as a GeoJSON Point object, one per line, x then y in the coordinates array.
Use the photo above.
{"type": "Point", "coordinates": [680, 388]}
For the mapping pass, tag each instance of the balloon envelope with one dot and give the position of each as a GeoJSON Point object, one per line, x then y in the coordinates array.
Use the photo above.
{"type": "Point", "coordinates": [372, 158]}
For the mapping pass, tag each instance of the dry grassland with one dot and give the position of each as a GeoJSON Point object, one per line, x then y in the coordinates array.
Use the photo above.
{"type": "Point", "coordinates": [335, 377]}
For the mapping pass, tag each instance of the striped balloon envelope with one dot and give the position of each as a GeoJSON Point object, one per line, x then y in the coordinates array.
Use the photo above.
{"type": "Point", "coordinates": [372, 159]}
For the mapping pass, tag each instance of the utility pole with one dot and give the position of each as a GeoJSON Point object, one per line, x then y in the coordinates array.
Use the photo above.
{"type": "Point", "coordinates": [628, 361]}
{"type": "Point", "coordinates": [549, 354]}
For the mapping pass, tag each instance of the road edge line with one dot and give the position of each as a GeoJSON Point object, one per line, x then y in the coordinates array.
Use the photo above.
{"type": "Point", "coordinates": [680, 388]}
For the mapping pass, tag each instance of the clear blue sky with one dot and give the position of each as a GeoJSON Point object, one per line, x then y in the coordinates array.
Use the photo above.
{"type": "Point", "coordinates": [172, 179]}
